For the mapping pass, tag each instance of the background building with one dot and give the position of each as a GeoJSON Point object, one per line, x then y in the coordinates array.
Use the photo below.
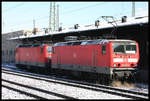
{"type": "Point", "coordinates": [8, 46]}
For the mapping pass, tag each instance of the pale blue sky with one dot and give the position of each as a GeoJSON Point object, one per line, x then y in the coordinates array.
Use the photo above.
{"type": "Point", "coordinates": [20, 15]}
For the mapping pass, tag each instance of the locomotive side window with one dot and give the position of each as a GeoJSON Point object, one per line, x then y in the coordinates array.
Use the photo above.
{"type": "Point", "coordinates": [41, 49]}
{"type": "Point", "coordinates": [49, 49]}
{"type": "Point", "coordinates": [103, 49]}
{"type": "Point", "coordinates": [53, 50]}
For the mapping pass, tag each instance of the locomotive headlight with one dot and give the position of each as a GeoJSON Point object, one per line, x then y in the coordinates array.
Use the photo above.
{"type": "Point", "coordinates": [132, 60]}
{"type": "Point", "coordinates": [117, 59]}
{"type": "Point", "coordinates": [115, 65]}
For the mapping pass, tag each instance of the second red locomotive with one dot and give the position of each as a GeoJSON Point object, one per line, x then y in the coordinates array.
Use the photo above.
{"type": "Point", "coordinates": [34, 55]}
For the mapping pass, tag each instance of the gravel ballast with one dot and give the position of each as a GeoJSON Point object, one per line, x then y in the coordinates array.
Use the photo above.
{"type": "Point", "coordinates": [71, 91]}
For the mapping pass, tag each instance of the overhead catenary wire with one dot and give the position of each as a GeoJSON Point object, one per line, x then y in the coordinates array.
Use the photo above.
{"type": "Point", "coordinates": [11, 8]}
{"type": "Point", "coordinates": [79, 9]}
{"type": "Point", "coordinates": [68, 12]}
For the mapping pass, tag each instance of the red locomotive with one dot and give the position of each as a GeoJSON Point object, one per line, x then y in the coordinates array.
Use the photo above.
{"type": "Point", "coordinates": [111, 58]}
{"type": "Point", "coordinates": [33, 55]}
{"type": "Point", "coordinates": [114, 58]}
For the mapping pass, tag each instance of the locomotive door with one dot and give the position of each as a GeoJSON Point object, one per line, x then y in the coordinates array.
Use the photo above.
{"type": "Point", "coordinates": [95, 56]}
{"type": "Point", "coordinates": [58, 58]}
{"type": "Point", "coordinates": [104, 56]}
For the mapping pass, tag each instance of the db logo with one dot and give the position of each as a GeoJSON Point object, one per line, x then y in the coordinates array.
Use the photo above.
{"type": "Point", "coordinates": [74, 55]}
{"type": "Point", "coordinates": [27, 54]}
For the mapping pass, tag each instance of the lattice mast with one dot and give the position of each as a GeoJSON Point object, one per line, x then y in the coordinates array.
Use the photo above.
{"type": "Point", "coordinates": [53, 17]}
{"type": "Point", "coordinates": [133, 9]}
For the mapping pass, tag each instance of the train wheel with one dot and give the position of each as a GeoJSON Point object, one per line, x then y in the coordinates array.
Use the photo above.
{"type": "Point", "coordinates": [76, 74]}
{"type": "Point", "coordinates": [21, 67]}
{"type": "Point", "coordinates": [131, 79]}
{"type": "Point", "coordinates": [28, 68]}
{"type": "Point", "coordinates": [115, 77]}
{"type": "Point", "coordinates": [103, 79]}
{"type": "Point", "coordinates": [18, 65]}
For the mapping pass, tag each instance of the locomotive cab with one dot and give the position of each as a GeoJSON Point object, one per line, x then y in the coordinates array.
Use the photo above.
{"type": "Point", "coordinates": [125, 56]}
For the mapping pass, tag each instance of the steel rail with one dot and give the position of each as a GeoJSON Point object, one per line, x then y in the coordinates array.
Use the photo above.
{"type": "Point", "coordinates": [23, 92]}
{"type": "Point", "coordinates": [85, 85]}
{"type": "Point", "coordinates": [38, 89]}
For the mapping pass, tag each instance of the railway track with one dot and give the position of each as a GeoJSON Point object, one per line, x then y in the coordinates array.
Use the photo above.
{"type": "Point", "coordinates": [23, 92]}
{"type": "Point", "coordinates": [33, 88]}
{"type": "Point", "coordinates": [79, 84]}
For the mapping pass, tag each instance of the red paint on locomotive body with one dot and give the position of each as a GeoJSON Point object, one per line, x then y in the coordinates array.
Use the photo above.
{"type": "Point", "coordinates": [104, 57]}
{"type": "Point", "coordinates": [82, 55]}
{"type": "Point", "coordinates": [34, 55]}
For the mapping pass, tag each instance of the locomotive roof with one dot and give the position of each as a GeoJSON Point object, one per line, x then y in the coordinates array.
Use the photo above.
{"type": "Point", "coordinates": [31, 45]}
{"type": "Point", "coordinates": [89, 42]}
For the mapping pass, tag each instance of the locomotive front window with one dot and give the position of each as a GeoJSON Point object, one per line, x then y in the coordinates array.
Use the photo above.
{"type": "Point", "coordinates": [118, 48]}
{"type": "Point", "coordinates": [131, 49]}
{"type": "Point", "coordinates": [122, 48]}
